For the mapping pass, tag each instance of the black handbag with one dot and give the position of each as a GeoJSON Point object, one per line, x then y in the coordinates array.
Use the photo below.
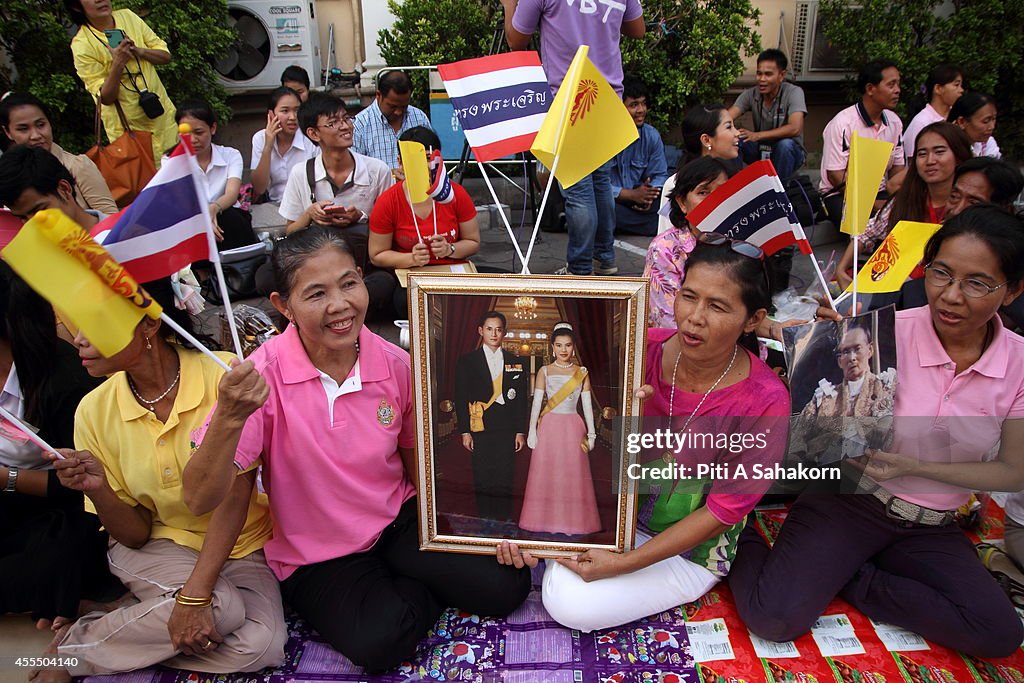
{"type": "Point", "coordinates": [240, 277]}
{"type": "Point", "coordinates": [805, 198]}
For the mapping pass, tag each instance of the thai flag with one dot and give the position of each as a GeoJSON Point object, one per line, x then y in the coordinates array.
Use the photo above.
{"type": "Point", "coordinates": [500, 101]}
{"type": "Point", "coordinates": [752, 206]}
{"type": "Point", "coordinates": [168, 225]}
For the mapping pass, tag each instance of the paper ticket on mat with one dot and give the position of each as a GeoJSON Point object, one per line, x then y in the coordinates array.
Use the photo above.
{"type": "Point", "coordinates": [769, 649]}
{"type": "Point", "coordinates": [709, 640]}
{"type": "Point", "coordinates": [898, 639]}
{"type": "Point", "coordinates": [835, 637]}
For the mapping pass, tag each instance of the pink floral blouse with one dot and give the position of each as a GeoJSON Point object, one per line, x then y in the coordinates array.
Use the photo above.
{"type": "Point", "coordinates": [664, 264]}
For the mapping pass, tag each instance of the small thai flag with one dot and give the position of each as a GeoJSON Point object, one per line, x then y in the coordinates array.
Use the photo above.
{"type": "Point", "coordinates": [500, 101]}
{"type": "Point", "coordinates": [166, 228]}
{"type": "Point", "coordinates": [752, 206]}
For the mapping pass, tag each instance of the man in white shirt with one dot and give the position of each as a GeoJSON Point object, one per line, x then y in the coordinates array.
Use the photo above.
{"type": "Point", "coordinates": [338, 188]}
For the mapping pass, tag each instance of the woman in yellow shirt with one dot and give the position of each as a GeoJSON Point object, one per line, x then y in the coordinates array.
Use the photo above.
{"type": "Point", "coordinates": [124, 73]}
{"type": "Point", "coordinates": [206, 599]}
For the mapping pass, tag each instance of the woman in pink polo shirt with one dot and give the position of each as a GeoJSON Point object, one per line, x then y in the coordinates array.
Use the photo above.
{"type": "Point", "coordinates": [894, 552]}
{"type": "Point", "coordinates": [335, 439]}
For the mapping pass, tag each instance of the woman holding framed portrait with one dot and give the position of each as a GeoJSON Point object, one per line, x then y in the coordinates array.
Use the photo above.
{"type": "Point", "coordinates": [326, 409]}
{"type": "Point", "coordinates": [706, 367]}
{"type": "Point", "coordinates": [559, 494]}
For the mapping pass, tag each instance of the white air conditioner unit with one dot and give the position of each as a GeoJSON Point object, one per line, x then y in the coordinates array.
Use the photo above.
{"type": "Point", "coordinates": [814, 56]}
{"type": "Point", "coordinates": [273, 34]}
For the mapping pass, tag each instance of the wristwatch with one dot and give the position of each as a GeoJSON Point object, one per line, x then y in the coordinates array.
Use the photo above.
{"type": "Point", "coordinates": [451, 249]}
{"type": "Point", "coordinates": [12, 480]}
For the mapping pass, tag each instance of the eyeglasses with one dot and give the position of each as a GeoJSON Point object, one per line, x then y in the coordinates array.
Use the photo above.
{"type": "Point", "coordinates": [334, 124]}
{"type": "Point", "coordinates": [851, 351]}
{"type": "Point", "coordinates": [717, 239]}
{"type": "Point", "coordinates": [972, 287]}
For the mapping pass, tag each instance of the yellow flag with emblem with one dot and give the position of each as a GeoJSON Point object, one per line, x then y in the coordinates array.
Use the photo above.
{"type": "Point", "coordinates": [59, 260]}
{"type": "Point", "coordinates": [864, 173]}
{"type": "Point", "coordinates": [895, 259]}
{"type": "Point", "coordinates": [586, 125]}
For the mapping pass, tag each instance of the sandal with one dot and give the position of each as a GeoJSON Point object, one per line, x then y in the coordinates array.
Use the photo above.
{"type": "Point", "coordinates": [1004, 570]}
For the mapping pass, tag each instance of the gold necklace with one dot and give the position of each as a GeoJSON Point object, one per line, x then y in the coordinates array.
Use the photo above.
{"type": "Point", "coordinates": [669, 457]}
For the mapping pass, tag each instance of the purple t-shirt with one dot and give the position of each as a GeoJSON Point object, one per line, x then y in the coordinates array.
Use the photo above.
{"type": "Point", "coordinates": [567, 24]}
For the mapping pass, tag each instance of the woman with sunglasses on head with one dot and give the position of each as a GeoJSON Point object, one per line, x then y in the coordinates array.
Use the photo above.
{"type": "Point", "coordinates": [336, 435]}
{"type": "Point", "coordinates": [895, 552]}
{"type": "Point", "coordinates": [116, 54]}
{"type": "Point", "coordinates": [939, 148]}
{"type": "Point", "coordinates": [25, 121]}
{"type": "Point", "coordinates": [703, 375]}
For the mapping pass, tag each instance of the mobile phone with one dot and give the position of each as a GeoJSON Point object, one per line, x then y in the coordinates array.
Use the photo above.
{"type": "Point", "coordinates": [334, 209]}
{"type": "Point", "coordinates": [114, 36]}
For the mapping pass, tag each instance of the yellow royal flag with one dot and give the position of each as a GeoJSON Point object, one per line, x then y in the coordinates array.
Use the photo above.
{"type": "Point", "coordinates": [59, 259]}
{"type": "Point", "coordinates": [414, 165]}
{"type": "Point", "coordinates": [586, 125]}
{"type": "Point", "coordinates": [895, 259]}
{"type": "Point", "coordinates": [864, 173]}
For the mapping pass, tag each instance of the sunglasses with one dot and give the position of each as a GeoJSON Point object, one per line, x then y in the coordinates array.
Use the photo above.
{"type": "Point", "coordinates": [717, 239]}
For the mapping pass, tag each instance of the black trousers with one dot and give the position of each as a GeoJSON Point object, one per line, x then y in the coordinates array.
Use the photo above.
{"type": "Point", "coordinates": [375, 606]}
{"type": "Point", "coordinates": [237, 228]}
{"type": "Point", "coordinates": [494, 471]}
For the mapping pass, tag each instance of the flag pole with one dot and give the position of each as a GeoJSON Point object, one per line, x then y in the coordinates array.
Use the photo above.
{"type": "Point", "coordinates": [504, 219]}
{"type": "Point", "coordinates": [853, 305]}
{"type": "Point", "coordinates": [183, 131]}
{"type": "Point", "coordinates": [195, 342]}
{"type": "Point", "coordinates": [821, 278]}
{"type": "Point", "coordinates": [554, 164]}
{"type": "Point", "coordinates": [31, 435]}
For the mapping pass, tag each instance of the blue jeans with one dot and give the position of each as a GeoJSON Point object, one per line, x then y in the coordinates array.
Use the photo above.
{"type": "Point", "coordinates": [590, 220]}
{"type": "Point", "coordinates": [787, 155]}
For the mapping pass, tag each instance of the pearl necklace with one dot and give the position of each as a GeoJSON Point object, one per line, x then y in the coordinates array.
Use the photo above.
{"type": "Point", "coordinates": [669, 457]}
{"type": "Point", "coordinates": [564, 367]}
{"type": "Point", "coordinates": [151, 404]}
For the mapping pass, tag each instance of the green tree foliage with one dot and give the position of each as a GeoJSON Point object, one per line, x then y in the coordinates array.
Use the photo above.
{"type": "Point", "coordinates": [983, 37]}
{"type": "Point", "coordinates": [691, 53]}
{"type": "Point", "coordinates": [436, 32]}
{"type": "Point", "coordinates": [35, 37]}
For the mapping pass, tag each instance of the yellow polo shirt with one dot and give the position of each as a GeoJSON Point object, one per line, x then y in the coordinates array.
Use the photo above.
{"type": "Point", "coordinates": [144, 457]}
{"type": "Point", "coordinates": [93, 60]}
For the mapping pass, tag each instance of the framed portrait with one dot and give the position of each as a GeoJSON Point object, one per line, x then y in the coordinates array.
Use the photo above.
{"type": "Point", "coordinates": [518, 383]}
{"type": "Point", "coordinates": [843, 386]}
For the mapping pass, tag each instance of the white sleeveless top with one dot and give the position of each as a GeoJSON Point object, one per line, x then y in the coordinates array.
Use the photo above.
{"type": "Point", "coordinates": [556, 382]}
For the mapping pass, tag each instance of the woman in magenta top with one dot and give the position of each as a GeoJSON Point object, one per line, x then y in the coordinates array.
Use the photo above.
{"type": "Point", "coordinates": [895, 552]}
{"type": "Point", "coordinates": [702, 376]}
{"type": "Point", "coordinates": [326, 409]}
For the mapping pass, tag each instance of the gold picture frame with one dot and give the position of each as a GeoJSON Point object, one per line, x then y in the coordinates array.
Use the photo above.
{"type": "Point", "coordinates": [470, 497]}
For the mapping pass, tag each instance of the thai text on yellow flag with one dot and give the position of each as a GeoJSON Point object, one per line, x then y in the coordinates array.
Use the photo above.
{"type": "Point", "coordinates": [586, 125]}
{"type": "Point", "coordinates": [864, 173]}
{"type": "Point", "coordinates": [414, 165]}
{"type": "Point", "coordinates": [59, 259]}
{"type": "Point", "coordinates": [895, 259]}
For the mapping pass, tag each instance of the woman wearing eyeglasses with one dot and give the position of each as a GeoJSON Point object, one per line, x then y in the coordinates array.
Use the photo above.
{"type": "Point", "coordinates": [702, 376]}
{"type": "Point", "coordinates": [894, 552]}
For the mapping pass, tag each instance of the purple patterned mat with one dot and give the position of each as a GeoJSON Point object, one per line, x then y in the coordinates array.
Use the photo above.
{"type": "Point", "coordinates": [526, 647]}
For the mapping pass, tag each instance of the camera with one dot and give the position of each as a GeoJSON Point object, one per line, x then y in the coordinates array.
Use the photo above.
{"type": "Point", "coordinates": [150, 104]}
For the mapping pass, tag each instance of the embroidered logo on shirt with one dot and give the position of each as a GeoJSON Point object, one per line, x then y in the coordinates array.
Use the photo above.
{"type": "Point", "coordinates": [385, 413]}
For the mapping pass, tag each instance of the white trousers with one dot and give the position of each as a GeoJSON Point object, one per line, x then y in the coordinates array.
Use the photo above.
{"type": "Point", "coordinates": [618, 600]}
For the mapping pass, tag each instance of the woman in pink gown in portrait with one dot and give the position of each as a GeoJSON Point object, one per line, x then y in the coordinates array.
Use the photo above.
{"type": "Point", "coordinates": [559, 489]}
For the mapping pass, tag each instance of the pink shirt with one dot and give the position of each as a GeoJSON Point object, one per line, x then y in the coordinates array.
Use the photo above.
{"type": "Point", "coordinates": [960, 416]}
{"type": "Point", "coordinates": [924, 118]}
{"type": "Point", "coordinates": [333, 485]}
{"type": "Point", "coordinates": [665, 264]}
{"type": "Point", "coordinates": [835, 153]}
{"type": "Point", "coordinates": [758, 404]}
